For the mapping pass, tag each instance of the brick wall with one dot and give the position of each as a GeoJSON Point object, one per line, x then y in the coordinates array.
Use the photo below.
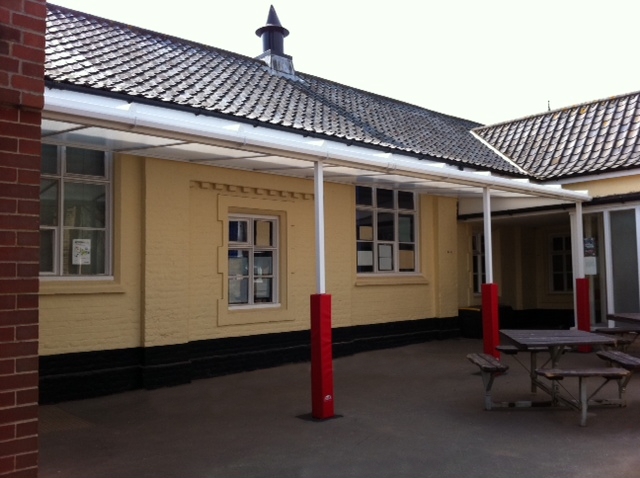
{"type": "Point", "coordinates": [22, 27]}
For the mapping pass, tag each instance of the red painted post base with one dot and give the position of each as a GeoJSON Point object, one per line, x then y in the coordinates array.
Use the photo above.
{"type": "Point", "coordinates": [490, 319]}
{"type": "Point", "coordinates": [322, 404]}
{"type": "Point", "coordinates": [583, 309]}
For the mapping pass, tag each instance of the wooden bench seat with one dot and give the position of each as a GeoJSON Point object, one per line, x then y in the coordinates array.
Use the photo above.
{"type": "Point", "coordinates": [490, 368]}
{"type": "Point", "coordinates": [626, 335]}
{"type": "Point", "coordinates": [617, 330]}
{"type": "Point", "coordinates": [606, 373]}
{"type": "Point", "coordinates": [621, 359]}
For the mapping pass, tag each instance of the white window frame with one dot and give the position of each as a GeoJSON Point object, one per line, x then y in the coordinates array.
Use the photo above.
{"type": "Point", "coordinates": [396, 211]}
{"type": "Point", "coordinates": [567, 264]}
{"type": "Point", "coordinates": [250, 246]}
{"type": "Point", "coordinates": [63, 177]}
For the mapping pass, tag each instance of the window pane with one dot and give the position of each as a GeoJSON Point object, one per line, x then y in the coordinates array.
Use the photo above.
{"type": "Point", "coordinates": [364, 226]}
{"type": "Point", "coordinates": [263, 263]}
{"type": "Point", "coordinates": [263, 290]}
{"type": "Point", "coordinates": [84, 205]}
{"type": "Point", "coordinates": [558, 282]}
{"type": "Point", "coordinates": [49, 159]}
{"type": "Point", "coordinates": [238, 290]}
{"type": "Point", "coordinates": [86, 162]}
{"type": "Point", "coordinates": [238, 263]}
{"type": "Point", "coordinates": [405, 228]}
{"type": "Point", "coordinates": [238, 231]}
{"type": "Point", "coordinates": [405, 200]}
{"type": "Point", "coordinates": [557, 243]}
{"type": "Point", "coordinates": [49, 202]}
{"type": "Point", "coordinates": [407, 258]}
{"type": "Point", "coordinates": [384, 198]}
{"type": "Point", "coordinates": [385, 257]}
{"type": "Point", "coordinates": [386, 226]}
{"type": "Point", "coordinates": [365, 256]}
{"type": "Point", "coordinates": [263, 233]}
{"type": "Point", "coordinates": [558, 263]}
{"type": "Point", "coordinates": [47, 248]}
{"type": "Point", "coordinates": [364, 196]}
{"type": "Point", "coordinates": [83, 252]}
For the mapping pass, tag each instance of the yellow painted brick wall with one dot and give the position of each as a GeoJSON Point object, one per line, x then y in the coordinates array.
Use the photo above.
{"type": "Point", "coordinates": [608, 187]}
{"type": "Point", "coordinates": [171, 259]}
{"type": "Point", "coordinates": [79, 316]}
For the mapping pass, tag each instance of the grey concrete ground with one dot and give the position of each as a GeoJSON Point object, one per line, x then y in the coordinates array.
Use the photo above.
{"type": "Point", "coordinates": [414, 411]}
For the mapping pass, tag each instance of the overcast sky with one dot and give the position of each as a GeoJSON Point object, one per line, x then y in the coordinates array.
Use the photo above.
{"type": "Point", "coordinates": [483, 60]}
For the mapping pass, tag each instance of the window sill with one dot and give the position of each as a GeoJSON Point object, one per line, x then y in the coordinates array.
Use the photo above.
{"type": "Point", "coordinates": [365, 281]}
{"type": "Point", "coordinates": [72, 286]}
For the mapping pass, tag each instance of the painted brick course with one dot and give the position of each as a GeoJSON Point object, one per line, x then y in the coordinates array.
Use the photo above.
{"type": "Point", "coordinates": [21, 100]}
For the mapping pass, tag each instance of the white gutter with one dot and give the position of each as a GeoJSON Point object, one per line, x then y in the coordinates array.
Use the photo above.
{"type": "Point", "coordinates": [135, 117]}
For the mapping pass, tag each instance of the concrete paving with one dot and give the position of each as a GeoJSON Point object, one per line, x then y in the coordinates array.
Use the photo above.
{"type": "Point", "coordinates": [405, 412]}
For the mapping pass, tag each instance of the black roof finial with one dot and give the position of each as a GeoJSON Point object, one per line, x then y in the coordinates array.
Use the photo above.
{"type": "Point", "coordinates": [273, 34]}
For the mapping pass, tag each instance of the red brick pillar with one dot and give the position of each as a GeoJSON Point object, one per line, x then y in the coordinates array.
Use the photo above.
{"type": "Point", "coordinates": [22, 29]}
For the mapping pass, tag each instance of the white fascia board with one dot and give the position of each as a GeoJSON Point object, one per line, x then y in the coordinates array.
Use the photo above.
{"type": "Point", "coordinates": [136, 117]}
{"type": "Point", "coordinates": [600, 176]}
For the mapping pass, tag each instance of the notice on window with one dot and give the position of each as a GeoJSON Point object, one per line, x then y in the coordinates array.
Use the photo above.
{"type": "Point", "coordinates": [385, 257]}
{"type": "Point", "coordinates": [407, 260]}
{"type": "Point", "coordinates": [365, 233]}
{"type": "Point", "coordinates": [365, 258]}
{"type": "Point", "coordinates": [81, 252]}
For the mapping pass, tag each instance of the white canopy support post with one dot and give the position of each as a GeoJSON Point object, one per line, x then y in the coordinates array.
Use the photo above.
{"type": "Point", "coordinates": [319, 209]}
{"type": "Point", "coordinates": [488, 254]}
{"type": "Point", "coordinates": [490, 305]}
{"type": "Point", "coordinates": [322, 399]}
{"type": "Point", "coordinates": [582, 315]}
{"type": "Point", "coordinates": [577, 242]}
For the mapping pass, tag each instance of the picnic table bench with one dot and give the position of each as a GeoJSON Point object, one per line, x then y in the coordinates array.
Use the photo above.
{"type": "Point", "coordinates": [582, 402]}
{"type": "Point", "coordinates": [621, 359]}
{"type": "Point", "coordinates": [490, 368]}
{"type": "Point", "coordinates": [626, 335]}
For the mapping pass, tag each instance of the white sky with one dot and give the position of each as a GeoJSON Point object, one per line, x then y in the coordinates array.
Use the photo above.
{"type": "Point", "coordinates": [483, 60]}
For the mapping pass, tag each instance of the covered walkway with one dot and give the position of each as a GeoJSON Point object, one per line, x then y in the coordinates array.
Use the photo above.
{"type": "Point", "coordinates": [405, 412]}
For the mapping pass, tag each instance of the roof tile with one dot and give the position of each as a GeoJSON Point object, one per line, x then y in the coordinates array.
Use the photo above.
{"type": "Point", "coordinates": [106, 56]}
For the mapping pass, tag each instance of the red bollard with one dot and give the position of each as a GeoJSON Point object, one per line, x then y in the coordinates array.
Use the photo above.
{"type": "Point", "coordinates": [490, 319]}
{"type": "Point", "coordinates": [322, 403]}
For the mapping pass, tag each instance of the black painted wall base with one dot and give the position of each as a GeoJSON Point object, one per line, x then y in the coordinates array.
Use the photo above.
{"type": "Point", "coordinates": [471, 320]}
{"type": "Point", "coordinates": [91, 374]}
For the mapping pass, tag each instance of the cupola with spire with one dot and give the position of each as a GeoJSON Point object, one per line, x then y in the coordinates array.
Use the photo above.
{"type": "Point", "coordinates": [273, 34]}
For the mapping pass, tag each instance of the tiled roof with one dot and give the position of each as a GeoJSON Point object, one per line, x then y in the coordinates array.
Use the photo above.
{"type": "Point", "coordinates": [103, 56]}
{"type": "Point", "coordinates": [585, 139]}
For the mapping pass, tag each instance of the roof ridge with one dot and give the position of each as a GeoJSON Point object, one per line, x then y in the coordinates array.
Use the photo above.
{"type": "Point", "coordinates": [560, 110]}
{"type": "Point", "coordinates": [147, 31]}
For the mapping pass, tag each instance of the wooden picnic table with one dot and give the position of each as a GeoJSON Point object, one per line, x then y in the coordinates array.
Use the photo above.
{"type": "Point", "coordinates": [627, 317]}
{"type": "Point", "coordinates": [557, 341]}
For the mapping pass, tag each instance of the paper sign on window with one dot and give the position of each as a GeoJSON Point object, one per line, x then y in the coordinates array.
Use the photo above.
{"type": "Point", "coordinates": [407, 260]}
{"type": "Point", "coordinates": [365, 258]}
{"type": "Point", "coordinates": [385, 257]}
{"type": "Point", "coordinates": [263, 233]}
{"type": "Point", "coordinates": [365, 233]}
{"type": "Point", "coordinates": [81, 252]}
